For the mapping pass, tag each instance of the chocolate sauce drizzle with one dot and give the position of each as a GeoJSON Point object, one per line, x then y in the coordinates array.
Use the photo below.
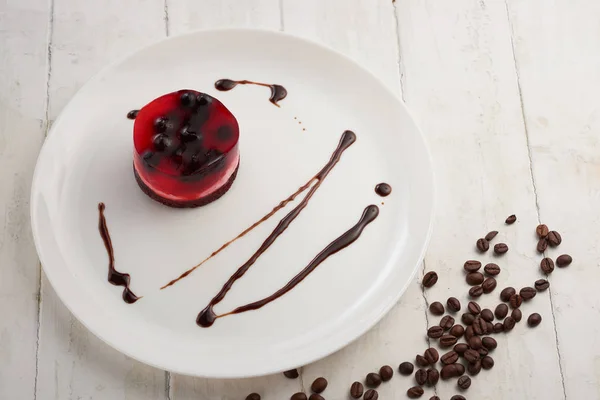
{"type": "Point", "coordinates": [278, 92]}
{"type": "Point", "coordinates": [115, 277]}
{"type": "Point", "coordinates": [132, 114]}
{"type": "Point", "coordinates": [207, 317]}
{"type": "Point", "coordinates": [383, 189]}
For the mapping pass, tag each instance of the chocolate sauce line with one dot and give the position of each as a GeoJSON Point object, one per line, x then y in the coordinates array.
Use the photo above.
{"type": "Point", "coordinates": [207, 316]}
{"type": "Point", "coordinates": [350, 236]}
{"type": "Point", "coordinates": [278, 92]}
{"type": "Point", "coordinates": [115, 277]}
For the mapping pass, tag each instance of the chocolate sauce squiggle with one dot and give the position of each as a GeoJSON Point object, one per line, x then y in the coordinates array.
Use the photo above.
{"type": "Point", "coordinates": [278, 92]}
{"type": "Point", "coordinates": [115, 277]}
{"type": "Point", "coordinates": [207, 316]}
{"type": "Point", "coordinates": [345, 240]}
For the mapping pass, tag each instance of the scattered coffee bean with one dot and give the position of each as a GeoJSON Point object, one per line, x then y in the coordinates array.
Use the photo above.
{"type": "Point", "coordinates": [356, 390]}
{"type": "Point", "coordinates": [253, 396]}
{"type": "Point", "coordinates": [479, 326]}
{"type": "Point", "coordinates": [433, 376]}
{"type": "Point", "coordinates": [492, 269]}
{"type": "Point", "coordinates": [501, 311]}
{"type": "Point", "coordinates": [436, 308]}
{"type": "Point", "coordinates": [457, 397]}
{"type": "Point", "coordinates": [299, 396]}
{"type": "Point", "coordinates": [554, 238]}
{"type": "Point", "coordinates": [431, 355]}
{"type": "Point", "coordinates": [471, 355]}
{"type": "Point", "coordinates": [489, 285]}
{"type": "Point", "coordinates": [534, 320]}
{"type": "Point", "coordinates": [541, 285]}
{"type": "Point", "coordinates": [291, 374]}
{"type": "Point", "coordinates": [500, 248]}
{"type": "Point", "coordinates": [448, 340]}
{"type": "Point", "coordinates": [461, 348]}
{"type": "Point", "coordinates": [435, 332]}
{"type": "Point", "coordinates": [564, 260]}
{"type": "Point", "coordinates": [515, 300]}
{"type": "Point", "coordinates": [511, 219]}
{"type": "Point", "coordinates": [509, 324]}
{"type": "Point", "coordinates": [542, 245]}
{"type": "Point", "coordinates": [487, 362]}
{"type": "Point", "coordinates": [506, 293]}
{"type": "Point", "coordinates": [421, 361]}
{"type": "Point", "coordinates": [457, 330]}
{"type": "Point", "coordinates": [434, 398]}
{"type": "Point", "coordinates": [371, 394]}
{"type": "Point", "coordinates": [474, 368]}
{"type": "Point", "coordinates": [460, 369]}
{"type": "Point", "coordinates": [472, 266]}
{"type": "Point", "coordinates": [473, 308]}
{"type": "Point", "coordinates": [527, 293]}
{"type": "Point", "coordinates": [490, 327]}
{"type": "Point", "coordinates": [464, 382]}
{"type": "Point", "coordinates": [467, 318]}
{"type": "Point", "coordinates": [498, 327]}
{"type": "Point", "coordinates": [421, 376]}
{"type": "Point", "coordinates": [415, 392]}
{"type": "Point", "coordinates": [451, 371]}
{"type": "Point", "coordinates": [469, 332]}
{"type": "Point", "coordinates": [542, 231]}
{"type": "Point", "coordinates": [406, 368]}
{"type": "Point", "coordinates": [474, 278]}
{"type": "Point", "coordinates": [482, 245]}
{"type": "Point", "coordinates": [430, 279]}
{"type": "Point", "coordinates": [476, 291]}
{"type": "Point", "coordinates": [547, 265]}
{"type": "Point", "coordinates": [373, 380]}
{"type": "Point", "coordinates": [453, 304]}
{"type": "Point", "coordinates": [475, 343]}
{"type": "Point", "coordinates": [489, 343]}
{"type": "Point", "coordinates": [319, 385]}
{"type": "Point", "coordinates": [386, 372]}
{"type": "Point", "coordinates": [316, 396]}
{"type": "Point", "coordinates": [447, 322]}
{"type": "Point", "coordinates": [483, 352]}
{"type": "Point", "coordinates": [490, 235]}
{"type": "Point", "coordinates": [450, 357]}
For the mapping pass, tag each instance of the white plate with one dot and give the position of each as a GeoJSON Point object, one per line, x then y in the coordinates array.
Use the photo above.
{"type": "Point", "coordinates": [87, 159]}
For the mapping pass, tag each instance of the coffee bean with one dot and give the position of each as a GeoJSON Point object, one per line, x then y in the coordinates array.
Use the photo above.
{"type": "Point", "coordinates": [356, 390]}
{"type": "Point", "coordinates": [464, 382]}
{"type": "Point", "coordinates": [415, 392]}
{"type": "Point", "coordinates": [467, 318]}
{"type": "Point", "coordinates": [421, 361]}
{"type": "Point", "coordinates": [298, 396]}
{"type": "Point", "coordinates": [472, 265]}
{"type": "Point", "coordinates": [487, 362]}
{"type": "Point", "coordinates": [453, 304]}
{"type": "Point", "coordinates": [490, 327]}
{"type": "Point", "coordinates": [511, 219]}
{"type": "Point", "coordinates": [316, 396]}
{"type": "Point", "coordinates": [509, 324]}
{"type": "Point", "coordinates": [542, 231]}
{"type": "Point", "coordinates": [471, 355]}
{"type": "Point", "coordinates": [430, 279]}
{"type": "Point", "coordinates": [473, 308]}
{"type": "Point", "coordinates": [474, 368]}
{"type": "Point", "coordinates": [460, 369]}
{"type": "Point", "coordinates": [431, 355]}
{"type": "Point", "coordinates": [498, 327]}
{"type": "Point", "coordinates": [448, 340]}
{"type": "Point", "coordinates": [500, 248]}
{"type": "Point", "coordinates": [373, 380]}
{"type": "Point", "coordinates": [421, 376]}
{"type": "Point", "coordinates": [564, 260]}
{"type": "Point", "coordinates": [447, 322]}
{"type": "Point", "coordinates": [489, 285]}
{"type": "Point", "coordinates": [501, 311]}
{"type": "Point", "coordinates": [542, 245]}
{"type": "Point", "coordinates": [469, 332]}
{"type": "Point", "coordinates": [406, 368]}
{"type": "Point", "coordinates": [450, 357]}
{"type": "Point", "coordinates": [483, 352]}
{"type": "Point", "coordinates": [476, 291]}
{"type": "Point", "coordinates": [386, 372]}
{"type": "Point", "coordinates": [527, 293]}
{"type": "Point", "coordinates": [433, 376]}
{"type": "Point", "coordinates": [490, 235]}
{"type": "Point", "coordinates": [457, 397]}
{"type": "Point", "coordinates": [474, 278]}
{"type": "Point", "coordinates": [451, 371]}
{"type": "Point", "coordinates": [481, 327]}
{"type": "Point", "coordinates": [457, 330]}
{"type": "Point", "coordinates": [547, 265]}
{"type": "Point", "coordinates": [515, 300]}
{"type": "Point", "coordinates": [461, 348]}
{"type": "Point", "coordinates": [554, 238]}
{"type": "Point", "coordinates": [434, 398]}
{"type": "Point", "coordinates": [319, 385]}
{"type": "Point", "coordinates": [475, 343]}
{"type": "Point", "coordinates": [253, 396]}
{"type": "Point", "coordinates": [436, 308]}
{"type": "Point", "coordinates": [371, 394]}
{"type": "Point", "coordinates": [506, 293]}
{"type": "Point", "coordinates": [291, 374]}
{"type": "Point", "coordinates": [541, 285]}
{"type": "Point", "coordinates": [534, 320]}
{"type": "Point", "coordinates": [435, 332]}
{"type": "Point", "coordinates": [482, 245]}
{"type": "Point", "coordinates": [489, 343]}
{"type": "Point", "coordinates": [492, 269]}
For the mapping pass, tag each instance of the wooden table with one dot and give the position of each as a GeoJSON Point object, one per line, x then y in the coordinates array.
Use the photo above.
{"type": "Point", "coordinates": [507, 95]}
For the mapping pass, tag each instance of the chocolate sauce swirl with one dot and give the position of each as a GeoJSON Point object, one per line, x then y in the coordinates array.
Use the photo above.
{"type": "Point", "coordinates": [278, 92]}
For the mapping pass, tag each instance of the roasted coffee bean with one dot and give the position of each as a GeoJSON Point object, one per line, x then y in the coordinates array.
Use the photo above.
{"type": "Point", "coordinates": [509, 324]}
{"type": "Point", "coordinates": [492, 269]}
{"type": "Point", "coordinates": [475, 343]}
{"type": "Point", "coordinates": [386, 372]}
{"type": "Point", "coordinates": [474, 368]}
{"type": "Point", "coordinates": [500, 248]}
{"type": "Point", "coordinates": [467, 318]}
{"type": "Point", "coordinates": [471, 355]}
{"type": "Point", "coordinates": [299, 396]}
{"type": "Point", "coordinates": [435, 332]}
{"type": "Point", "coordinates": [476, 291]}
{"type": "Point", "coordinates": [421, 376]}
{"type": "Point", "coordinates": [527, 293]}
{"type": "Point", "coordinates": [498, 327]}
{"type": "Point", "coordinates": [472, 265]}
{"type": "Point", "coordinates": [541, 285]}
{"type": "Point", "coordinates": [487, 362]}
{"type": "Point", "coordinates": [506, 293]}
{"type": "Point", "coordinates": [431, 355]}
{"type": "Point", "coordinates": [434, 398]}
{"type": "Point", "coordinates": [430, 279]}
{"type": "Point", "coordinates": [482, 245]}
{"type": "Point", "coordinates": [564, 260]}
{"type": "Point", "coordinates": [447, 322]}
{"type": "Point", "coordinates": [457, 330]}
{"type": "Point", "coordinates": [316, 396]}
{"type": "Point", "coordinates": [356, 390]}
{"type": "Point", "coordinates": [469, 332]}
{"type": "Point", "coordinates": [473, 308]}
{"type": "Point", "coordinates": [480, 327]}
{"type": "Point", "coordinates": [406, 368]}
{"type": "Point", "coordinates": [511, 219]}
{"type": "Point", "coordinates": [451, 371]}
{"type": "Point", "coordinates": [489, 285]}
{"type": "Point", "coordinates": [461, 348]}
{"type": "Point", "coordinates": [542, 245]}
{"type": "Point", "coordinates": [534, 320]}
{"type": "Point", "coordinates": [253, 396]}
{"type": "Point", "coordinates": [371, 394]}
{"type": "Point", "coordinates": [490, 235]}
{"type": "Point", "coordinates": [457, 397]}
{"type": "Point", "coordinates": [501, 311]}
{"type": "Point", "coordinates": [515, 300]}
{"type": "Point", "coordinates": [291, 374]}
{"type": "Point", "coordinates": [487, 315]}
{"type": "Point", "coordinates": [373, 380]}
{"type": "Point", "coordinates": [415, 392]}
{"type": "Point", "coordinates": [554, 238]}
{"type": "Point", "coordinates": [450, 357]}
{"type": "Point", "coordinates": [489, 343]}
{"type": "Point", "coordinates": [464, 382]}
{"type": "Point", "coordinates": [542, 231]}
{"type": "Point", "coordinates": [436, 308]}
{"type": "Point", "coordinates": [516, 314]}
{"type": "Point", "coordinates": [460, 369]}
{"type": "Point", "coordinates": [547, 265]}
{"type": "Point", "coordinates": [474, 278]}
{"type": "Point", "coordinates": [433, 376]}
{"type": "Point", "coordinates": [490, 327]}
{"type": "Point", "coordinates": [453, 304]}
{"type": "Point", "coordinates": [448, 340]}
{"type": "Point", "coordinates": [483, 352]}
{"type": "Point", "coordinates": [319, 385]}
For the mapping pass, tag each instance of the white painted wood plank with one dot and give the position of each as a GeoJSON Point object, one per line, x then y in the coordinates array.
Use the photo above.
{"type": "Point", "coordinates": [556, 48]}
{"type": "Point", "coordinates": [459, 79]}
{"type": "Point", "coordinates": [23, 31]}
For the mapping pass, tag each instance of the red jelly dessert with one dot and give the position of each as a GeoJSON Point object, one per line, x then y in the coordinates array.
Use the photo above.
{"type": "Point", "coordinates": [186, 149]}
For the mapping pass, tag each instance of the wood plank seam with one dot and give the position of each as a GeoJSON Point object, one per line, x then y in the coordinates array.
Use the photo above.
{"type": "Point", "coordinates": [166, 8]}
{"type": "Point", "coordinates": [399, 50]}
{"type": "Point", "coordinates": [281, 20]}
